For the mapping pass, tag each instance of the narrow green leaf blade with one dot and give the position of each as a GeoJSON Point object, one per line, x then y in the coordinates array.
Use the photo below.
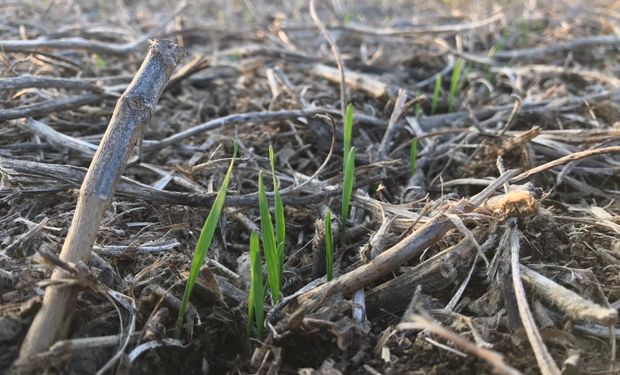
{"type": "Point", "coordinates": [454, 83]}
{"type": "Point", "coordinates": [348, 131]}
{"type": "Point", "coordinates": [269, 242]}
{"type": "Point", "coordinates": [204, 241]}
{"type": "Point", "coordinates": [347, 186]}
{"type": "Point", "coordinates": [436, 93]}
{"type": "Point", "coordinates": [329, 246]}
{"type": "Point", "coordinates": [256, 285]}
{"type": "Point", "coordinates": [279, 213]}
{"type": "Point", "coordinates": [413, 155]}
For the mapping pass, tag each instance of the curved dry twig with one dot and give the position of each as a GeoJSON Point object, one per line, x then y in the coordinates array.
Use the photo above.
{"type": "Point", "coordinates": [424, 30]}
{"type": "Point", "coordinates": [531, 53]}
{"type": "Point", "coordinates": [545, 361]}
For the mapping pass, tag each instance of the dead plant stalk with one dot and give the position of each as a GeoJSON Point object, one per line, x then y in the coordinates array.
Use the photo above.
{"type": "Point", "coordinates": [131, 115]}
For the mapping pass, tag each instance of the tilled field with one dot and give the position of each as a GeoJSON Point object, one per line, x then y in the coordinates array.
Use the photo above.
{"type": "Point", "coordinates": [483, 234]}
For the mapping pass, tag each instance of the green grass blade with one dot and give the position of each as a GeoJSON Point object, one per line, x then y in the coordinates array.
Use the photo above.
{"type": "Point", "coordinates": [257, 296]}
{"type": "Point", "coordinates": [329, 246]}
{"type": "Point", "coordinates": [204, 241]}
{"type": "Point", "coordinates": [413, 155]}
{"type": "Point", "coordinates": [269, 242]}
{"type": "Point", "coordinates": [250, 310]}
{"type": "Point", "coordinates": [418, 107]}
{"type": "Point", "coordinates": [436, 93]}
{"type": "Point", "coordinates": [454, 83]}
{"type": "Point", "coordinates": [347, 186]}
{"type": "Point", "coordinates": [279, 213]}
{"type": "Point", "coordinates": [348, 131]}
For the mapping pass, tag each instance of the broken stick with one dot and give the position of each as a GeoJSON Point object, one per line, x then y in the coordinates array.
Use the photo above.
{"type": "Point", "coordinates": [408, 248]}
{"type": "Point", "coordinates": [131, 115]}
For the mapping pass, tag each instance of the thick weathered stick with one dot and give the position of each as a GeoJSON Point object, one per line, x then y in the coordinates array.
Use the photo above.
{"type": "Point", "coordinates": [569, 302]}
{"type": "Point", "coordinates": [356, 81]}
{"type": "Point", "coordinates": [434, 275]}
{"type": "Point", "coordinates": [408, 248]}
{"type": "Point", "coordinates": [133, 112]}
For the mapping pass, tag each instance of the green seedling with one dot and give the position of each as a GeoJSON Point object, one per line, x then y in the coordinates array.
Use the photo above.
{"type": "Point", "coordinates": [524, 31]}
{"type": "Point", "coordinates": [413, 155]}
{"type": "Point", "coordinates": [347, 186]}
{"type": "Point", "coordinates": [348, 167]}
{"type": "Point", "coordinates": [436, 94]}
{"type": "Point", "coordinates": [454, 83]}
{"type": "Point", "coordinates": [100, 62]}
{"type": "Point", "coordinates": [204, 241]}
{"type": "Point", "coordinates": [269, 243]}
{"type": "Point", "coordinates": [329, 246]}
{"type": "Point", "coordinates": [279, 213]}
{"type": "Point", "coordinates": [348, 131]}
{"type": "Point", "coordinates": [418, 107]}
{"type": "Point", "coordinates": [256, 302]}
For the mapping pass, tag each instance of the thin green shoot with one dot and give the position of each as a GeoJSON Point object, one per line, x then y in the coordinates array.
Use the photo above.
{"type": "Point", "coordinates": [454, 83]}
{"type": "Point", "coordinates": [418, 107]}
{"type": "Point", "coordinates": [256, 302]}
{"type": "Point", "coordinates": [329, 246]}
{"type": "Point", "coordinates": [436, 94]}
{"type": "Point", "coordinates": [204, 241]}
{"type": "Point", "coordinates": [347, 186]}
{"type": "Point", "coordinates": [100, 62]}
{"type": "Point", "coordinates": [413, 155]}
{"type": "Point", "coordinates": [247, 17]}
{"type": "Point", "coordinates": [279, 213]}
{"type": "Point", "coordinates": [348, 168]}
{"type": "Point", "coordinates": [348, 131]}
{"type": "Point", "coordinates": [269, 243]}
{"type": "Point", "coordinates": [502, 42]}
{"type": "Point", "coordinates": [524, 31]}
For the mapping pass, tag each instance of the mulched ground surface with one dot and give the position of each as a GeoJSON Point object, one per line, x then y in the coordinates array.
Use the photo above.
{"type": "Point", "coordinates": [442, 286]}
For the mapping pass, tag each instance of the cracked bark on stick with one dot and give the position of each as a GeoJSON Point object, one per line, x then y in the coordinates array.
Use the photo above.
{"type": "Point", "coordinates": [131, 115]}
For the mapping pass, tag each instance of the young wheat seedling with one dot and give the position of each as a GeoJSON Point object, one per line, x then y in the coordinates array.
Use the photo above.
{"type": "Point", "coordinates": [204, 241]}
{"type": "Point", "coordinates": [436, 93]}
{"type": "Point", "coordinates": [256, 299]}
{"type": "Point", "coordinates": [269, 243]}
{"type": "Point", "coordinates": [454, 83]}
{"type": "Point", "coordinates": [279, 213]}
{"type": "Point", "coordinates": [418, 107]}
{"type": "Point", "coordinates": [348, 168]}
{"type": "Point", "coordinates": [329, 246]}
{"type": "Point", "coordinates": [347, 186]}
{"type": "Point", "coordinates": [413, 155]}
{"type": "Point", "coordinates": [348, 131]}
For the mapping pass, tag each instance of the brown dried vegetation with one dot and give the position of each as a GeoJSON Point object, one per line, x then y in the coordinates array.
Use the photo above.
{"type": "Point", "coordinates": [501, 254]}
